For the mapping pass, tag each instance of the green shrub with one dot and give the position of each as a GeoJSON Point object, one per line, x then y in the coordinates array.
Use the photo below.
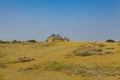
{"type": "Point", "coordinates": [31, 41]}
{"type": "Point", "coordinates": [110, 40]}
{"type": "Point", "coordinates": [15, 41]}
{"type": "Point", "coordinates": [3, 42]}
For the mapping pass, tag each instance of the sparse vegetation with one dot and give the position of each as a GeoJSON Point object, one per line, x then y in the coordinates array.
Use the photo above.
{"type": "Point", "coordinates": [33, 67]}
{"type": "Point", "coordinates": [31, 41]}
{"type": "Point", "coordinates": [94, 49]}
{"type": "Point", "coordinates": [73, 60]}
{"type": "Point", "coordinates": [26, 59]}
{"type": "Point", "coordinates": [15, 41]}
{"type": "Point", "coordinates": [76, 69]}
{"type": "Point", "coordinates": [101, 45]}
{"type": "Point", "coordinates": [3, 42]}
{"type": "Point", "coordinates": [69, 56]}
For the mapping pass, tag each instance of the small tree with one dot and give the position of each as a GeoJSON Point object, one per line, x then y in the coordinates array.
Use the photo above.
{"type": "Point", "coordinates": [110, 40]}
{"type": "Point", "coordinates": [2, 41]}
{"type": "Point", "coordinates": [31, 41]}
{"type": "Point", "coordinates": [14, 41]}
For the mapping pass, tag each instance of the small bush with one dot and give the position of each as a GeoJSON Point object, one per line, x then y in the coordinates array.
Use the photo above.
{"type": "Point", "coordinates": [86, 54]}
{"type": "Point", "coordinates": [108, 52]}
{"type": "Point", "coordinates": [2, 64]}
{"type": "Point", "coordinates": [99, 50]}
{"type": "Point", "coordinates": [31, 41]}
{"type": "Point", "coordinates": [33, 67]}
{"type": "Point", "coordinates": [3, 42]}
{"type": "Point", "coordinates": [15, 41]}
{"type": "Point", "coordinates": [26, 59]}
{"type": "Point", "coordinates": [69, 56]}
{"type": "Point", "coordinates": [101, 45]}
{"type": "Point", "coordinates": [110, 40]}
{"type": "Point", "coordinates": [54, 66]}
{"type": "Point", "coordinates": [110, 48]}
{"type": "Point", "coordinates": [93, 49]}
{"type": "Point", "coordinates": [84, 71]}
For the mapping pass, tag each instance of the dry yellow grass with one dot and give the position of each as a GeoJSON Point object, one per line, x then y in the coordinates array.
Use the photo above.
{"type": "Point", "coordinates": [56, 61]}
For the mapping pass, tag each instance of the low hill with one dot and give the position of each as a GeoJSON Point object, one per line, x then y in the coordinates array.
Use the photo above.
{"type": "Point", "coordinates": [60, 61]}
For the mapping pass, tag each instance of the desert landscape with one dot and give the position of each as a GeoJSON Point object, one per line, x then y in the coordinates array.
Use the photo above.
{"type": "Point", "coordinates": [59, 40]}
{"type": "Point", "coordinates": [60, 60]}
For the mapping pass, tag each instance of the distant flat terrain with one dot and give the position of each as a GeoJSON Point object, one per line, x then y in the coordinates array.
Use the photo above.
{"type": "Point", "coordinates": [60, 61]}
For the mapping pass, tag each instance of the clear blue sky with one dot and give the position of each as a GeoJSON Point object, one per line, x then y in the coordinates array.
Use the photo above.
{"type": "Point", "coordinates": [80, 20]}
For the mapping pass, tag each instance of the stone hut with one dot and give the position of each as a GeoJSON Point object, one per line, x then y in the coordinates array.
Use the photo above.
{"type": "Point", "coordinates": [66, 39]}
{"type": "Point", "coordinates": [53, 38]}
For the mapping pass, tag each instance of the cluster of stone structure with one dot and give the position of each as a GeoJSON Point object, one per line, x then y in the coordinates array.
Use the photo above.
{"type": "Point", "coordinates": [53, 38]}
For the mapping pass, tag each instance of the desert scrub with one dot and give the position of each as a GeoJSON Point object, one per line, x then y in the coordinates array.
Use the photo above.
{"type": "Point", "coordinates": [75, 69]}
{"type": "Point", "coordinates": [54, 66]}
{"type": "Point", "coordinates": [25, 59]}
{"type": "Point", "coordinates": [84, 71]}
{"type": "Point", "coordinates": [69, 55]}
{"type": "Point", "coordinates": [2, 64]}
{"type": "Point", "coordinates": [101, 45]}
{"type": "Point", "coordinates": [68, 68]}
{"type": "Point", "coordinates": [29, 68]}
{"type": "Point", "coordinates": [93, 49]}
{"type": "Point", "coordinates": [86, 52]}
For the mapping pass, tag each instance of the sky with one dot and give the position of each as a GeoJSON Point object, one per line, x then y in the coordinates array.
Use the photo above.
{"type": "Point", "coordinates": [79, 20]}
